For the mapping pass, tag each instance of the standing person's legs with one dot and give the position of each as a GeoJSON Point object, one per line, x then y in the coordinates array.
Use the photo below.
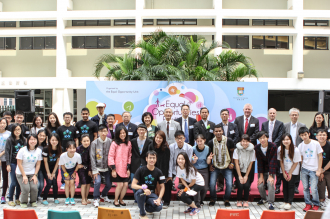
{"type": "Point", "coordinates": [97, 185]}
{"type": "Point", "coordinates": [291, 187]}
{"type": "Point", "coordinates": [132, 176]}
{"type": "Point", "coordinates": [25, 189]}
{"type": "Point", "coordinates": [119, 188]}
{"type": "Point", "coordinates": [55, 186]}
{"type": "Point", "coordinates": [33, 189]}
{"type": "Point", "coordinates": [213, 181]}
{"type": "Point", "coordinates": [239, 188]}
{"type": "Point", "coordinates": [123, 192]}
{"type": "Point", "coordinates": [72, 188]}
{"type": "Point", "coordinates": [271, 190]}
{"type": "Point", "coordinates": [314, 180]}
{"type": "Point", "coordinates": [14, 184]}
{"type": "Point", "coordinates": [150, 205]}
{"type": "Point", "coordinates": [107, 186]}
{"type": "Point", "coordinates": [228, 174]}
{"type": "Point", "coordinates": [305, 180]}
{"type": "Point", "coordinates": [286, 190]}
{"type": "Point", "coordinates": [49, 183]}
{"type": "Point", "coordinates": [327, 180]}
{"type": "Point", "coordinates": [5, 178]}
{"type": "Point", "coordinates": [261, 187]}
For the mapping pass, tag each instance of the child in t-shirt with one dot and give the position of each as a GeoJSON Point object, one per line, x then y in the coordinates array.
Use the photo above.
{"type": "Point", "coordinates": [311, 155]}
{"type": "Point", "coordinates": [70, 162]}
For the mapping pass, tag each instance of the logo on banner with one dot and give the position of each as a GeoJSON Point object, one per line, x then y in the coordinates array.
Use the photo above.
{"type": "Point", "coordinates": [240, 91]}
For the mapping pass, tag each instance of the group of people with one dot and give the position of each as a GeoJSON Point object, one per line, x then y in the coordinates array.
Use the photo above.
{"type": "Point", "coordinates": [202, 155]}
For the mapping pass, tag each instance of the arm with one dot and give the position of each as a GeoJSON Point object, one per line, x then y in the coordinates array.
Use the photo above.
{"type": "Point", "coordinates": [55, 168]}
{"type": "Point", "coordinates": [238, 169]}
{"type": "Point", "coordinates": [319, 170]}
{"type": "Point", "coordinates": [64, 171]}
{"type": "Point", "coordinates": [47, 168]}
{"type": "Point", "coordinates": [35, 178]}
{"type": "Point", "coordinates": [7, 152]}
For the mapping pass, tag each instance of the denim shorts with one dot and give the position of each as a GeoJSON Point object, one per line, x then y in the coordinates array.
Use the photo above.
{"type": "Point", "coordinates": [69, 171]}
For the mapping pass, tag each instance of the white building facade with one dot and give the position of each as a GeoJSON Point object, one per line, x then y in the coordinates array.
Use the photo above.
{"type": "Point", "coordinates": [52, 45]}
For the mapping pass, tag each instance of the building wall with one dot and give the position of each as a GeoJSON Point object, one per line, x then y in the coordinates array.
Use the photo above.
{"type": "Point", "coordinates": [175, 4]}
{"type": "Point", "coordinates": [254, 4]}
{"type": "Point", "coordinates": [103, 4]}
{"type": "Point", "coordinates": [316, 4]}
{"type": "Point", "coordinates": [28, 5]}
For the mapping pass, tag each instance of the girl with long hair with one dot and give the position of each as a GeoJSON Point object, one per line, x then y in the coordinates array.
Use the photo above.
{"type": "Point", "coordinates": [4, 135]}
{"type": "Point", "coordinates": [318, 123]}
{"type": "Point", "coordinates": [52, 123]}
{"type": "Point", "coordinates": [36, 124]}
{"type": "Point", "coordinates": [42, 143]}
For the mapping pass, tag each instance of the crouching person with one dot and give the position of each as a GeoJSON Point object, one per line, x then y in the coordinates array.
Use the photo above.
{"type": "Point", "coordinates": [145, 181]}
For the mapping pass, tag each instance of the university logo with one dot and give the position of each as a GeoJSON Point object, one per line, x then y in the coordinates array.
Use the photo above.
{"type": "Point", "coordinates": [240, 91]}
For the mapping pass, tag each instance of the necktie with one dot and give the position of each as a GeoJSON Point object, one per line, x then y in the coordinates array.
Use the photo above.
{"type": "Point", "coordinates": [168, 128]}
{"type": "Point", "coordinates": [186, 132]}
{"type": "Point", "coordinates": [246, 125]}
{"type": "Point", "coordinates": [270, 139]}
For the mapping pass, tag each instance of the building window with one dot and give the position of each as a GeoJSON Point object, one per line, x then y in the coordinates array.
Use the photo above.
{"type": "Point", "coordinates": [10, 102]}
{"type": "Point", "coordinates": [270, 42]}
{"type": "Point", "coordinates": [121, 22]}
{"type": "Point", "coordinates": [318, 43]}
{"type": "Point", "coordinates": [235, 22]}
{"type": "Point", "coordinates": [37, 43]}
{"type": "Point", "coordinates": [284, 100]}
{"type": "Point", "coordinates": [148, 21]}
{"type": "Point", "coordinates": [5, 101]}
{"type": "Point", "coordinates": [176, 21]}
{"type": "Point", "coordinates": [50, 23]}
{"type": "Point", "coordinates": [270, 22]}
{"type": "Point", "coordinates": [91, 23]}
{"type": "Point", "coordinates": [7, 43]}
{"type": "Point", "coordinates": [316, 23]}
{"type": "Point", "coordinates": [7, 23]}
{"type": "Point", "coordinates": [236, 41]}
{"type": "Point", "coordinates": [91, 42]}
{"type": "Point", "coordinates": [123, 41]}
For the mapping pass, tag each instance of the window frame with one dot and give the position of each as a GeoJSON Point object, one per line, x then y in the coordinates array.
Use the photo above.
{"type": "Point", "coordinates": [315, 42]}
{"type": "Point", "coordinates": [236, 22]}
{"type": "Point", "coordinates": [126, 23]}
{"type": "Point", "coordinates": [183, 21]}
{"type": "Point", "coordinates": [97, 23]}
{"type": "Point", "coordinates": [276, 22]}
{"type": "Point", "coordinates": [97, 42]}
{"type": "Point", "coordinates": [316, 23]}
{"type": "Point", "coordinates": [33, 38]}
{"type": "Point", "coordinates": [127, 41]}
{"type": "Point", "coordinates": [5, 23]}
{"type": "Point", "coordinates": [4, 46]}
{"type": "Point", "coordinates": [236, 39]}
{"type": "Point", "coordinates": [33, 23]}
{"type": "Point", "coordinates": [276, 42]}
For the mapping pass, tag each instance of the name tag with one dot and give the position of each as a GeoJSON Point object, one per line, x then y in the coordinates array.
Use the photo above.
{"type": "Point", "coordinates": [211, 131]}
{"type": "Point", "coordinates": [171, 128]}
{"type": "Point", "coordinates": [253, 125]}
{"type": "Point", "coordinates": [232, 132]}
{"type": "Point", "coordinates": [43, 153]}
{"type": "Point", "coordinates": [130, 133]}
{"type": "Point", "coordinates": [191, 127]}
{"type": "Point", "coordinates": [162, 178]}
{"type": "Point", "coordinates": [77, 132]}
{"type": "Point", "coordinates": [27, 132]}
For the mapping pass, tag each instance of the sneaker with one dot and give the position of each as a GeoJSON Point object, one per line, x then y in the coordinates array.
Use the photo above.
{"type": "Point", "coordinates": [17, 202]}
{"type": "Point", "coordinates": [239, 204]}
{"type": "Point", "coordinates": [34, 204]}
{"type": "Point", "coordinates": [188, 210]}
{"type": "Point", "coordinates": [72, 201]}
{"type": "Point", "coordinates": [67, 201]}
{"type": "Point", "coordinates": [227, 204]}
{"type": "Point", "coordinates": [62, 186]}
{"type": "Point", "coordinates": [57, 201]}
{"type": "Point", "coordinates": [211, 203]}
{"type": "Point", "coordinates": [261, 202]}
{"type": "Point", "coordinates": [105, 199]}
{"type": "Point", "coordinates": [323, 205]}
{"type": "Point", "coordinates": [282, 206]}
{"type": "Point", "coordinates": [11, 203]}
{"type": "Point", "coordinates": [149, 212]}
{"type": "Point", "coordinates": [3, 200]}
{"type": "Point", "coordinates": [202, 203]}
{"type": "Point", "coordinates": [44, 202]}
{"type": "Point", "coordinates": [271, 207]}
{"type": "Point", "coordinates": [40, 199]}
{"type": "Point", "coordinates": [96, 203]}
{"type": "Point", "coordinates": [307, 208]}
{"type": "Point", "coordinates": [287, 206]}
{"type": "Point", "coordinates": [143, 217]}
{"type": "Point", "coordinates": [315, 208]}
{"type": "Point", "coordinates": [23, 205]}
{"type": "Point", "coordinates": [166, 205]}
{"type": "Point", "coordinates": [246, 204]}
{"type": "Point", "coordinates": [194, 211]}
{"type": "Point", "coordinates": [101, 199]}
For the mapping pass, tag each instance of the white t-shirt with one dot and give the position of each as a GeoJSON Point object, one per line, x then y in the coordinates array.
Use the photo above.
{"type": "Point", "coordinates": [264, 150]}
{"type": "Point", "coordinates": [198, 177]}
{"type": "Point", "coordinates": [310, 152]}
{"type": "Point", "coordinates": [288, 162]}
{"type": "Point", "coordinates": [29, 160]}
{"type": "Point", "coordinates": [68, 162]}
{"type": "Point", "coordinates": [235, 156]}
{"type": "Point", "coordinates": [3, 139]}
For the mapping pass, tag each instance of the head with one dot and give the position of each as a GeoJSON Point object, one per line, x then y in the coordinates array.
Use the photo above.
{"type": "Point", "coordinates": [67, 117]}
{"type": "Point", "coordinates": [247, 109]}
{"type": "Point", "coordinates": [179, 138]}
{"type": "Point", "coordinates": [111, 119]}
{"type": "Point", "coordinates": [8, 116]}
{"type": "Point", "coordinates": [103, 131]}
{"type": "Point", "coordinates": [53, 121]}
{"type": "Point", "coordinates": [71, 147]}
{"type": "Point", "coordinates": [304, 133]}
{"type": "Point", "coordinates": [183, 162]}
{"type": "Point", "coordinates": [85, 140]}
{"type": "Point", "coordinates": [200, 140]}
{"type": "Point", "coordinates": [19, 117]}
{"type": "Point", "coordinates": [318, 121]}
{"type": "Point", "coordinates": [272, 114]}
{"type": "Point", "coordinates": [322, 135]}
{"type": "Point", "coordinates": [32, 142]}
{"type": "Point", "coordinates": [286, 142]}
{"type": "Point", "coordinates": [168, 113]}
{"type": "Point", "coordinates": [85, 114]}
{"type": "Point", "coordinates": [142, 130]}
{"type": "Point", "coordinates": [160, 140]}
{"type": "Point", "coordinates": [126, 117]}
{"type": "Point", "coordinates": [224, 114]}
{"type": "Point", "coordinates": [294, 114]}
{"type": "Point", "coordinates": [263, 136]}
{"type": "Point", "coordinates": [54, 141]}
{"type": "Point", "coordinates": [16, 131]}
{"type": "Point", "coordinates": [204, 112]}
{"type": "Point", "coordinates": [147, 118]}
{"type": "Point", "coordinates": [218, 131]}
{"type": "Point", "coordinates": [185, 110]}
{"type": "Point", "coordinates": [100, 108]}
{"type": "Point", "coordinates": [245, 141]}
{"type": "Point", "coordinates": [151, 158]}
{"type": "Point", "coordinates": [3, 123]}
{"type": "Point", "coordinates": [121, 135]}
{"type": "Point", "coordinates": [42, 137]}
{"type": "Point", "coordinates": [37, 121]}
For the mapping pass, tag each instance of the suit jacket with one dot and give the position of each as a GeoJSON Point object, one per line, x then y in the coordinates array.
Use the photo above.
{"type": "Point", "coordinates": [287, 127]}
{"type": "Point", "coordinates": [191, 122]}
{"type": "Point", "coordinates": [96, 119]}
{"type": "Point", "coordinates": [199, 128]}
{"type": "Point", "coordinates": [138, 159]}
{"type": "Point", "coordinates": [252, 129]}
{"type": "Point", "coordinates": [278, 131]}
{"type": "Point", "coordinates": [174, 126]}
{"type": "Point", "coordinates": [132, 130]}
{"type": "Point", "coordinates": [232, 131]}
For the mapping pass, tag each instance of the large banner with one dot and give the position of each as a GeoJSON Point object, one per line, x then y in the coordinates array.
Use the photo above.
{"type": "Point", "coordinates": [155, 96]}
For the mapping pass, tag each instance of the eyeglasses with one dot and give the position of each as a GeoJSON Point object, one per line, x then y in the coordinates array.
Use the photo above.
{"type": "Point", "coordinates": [181, 139]}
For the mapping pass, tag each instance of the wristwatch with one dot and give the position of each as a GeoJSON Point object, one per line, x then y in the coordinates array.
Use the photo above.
{"type": "Point", "coordinates": [36, 174]}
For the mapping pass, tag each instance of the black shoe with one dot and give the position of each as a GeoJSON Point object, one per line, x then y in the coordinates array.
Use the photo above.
{"type": "Point", "coordinates": [219, 189]}
{"type": "Point", "coordinates": [233, 190]}
{"type": "Point", "coordinates": [202, 203]}
{"type": "Point", "coordinates": [180, 186]}
{"type": "Point", "coordinates": [116, 205]}
{"type": "Point", "coordinates": [261, 202]}
{"type": "Point", "coordinates": [211, 203]}
{"type": "Point", "coordinates": [227, 204]}
{"type": "Point", "coordinates": [277, 191]}
{"type": "Point", "coordinates": [173, 188]}
{"type": "Point", "coordinates": [296, 191]}
{"type": "Point", "coordinates": [79, 186]}
{"type": "Point", "coordinates": [166, 205]}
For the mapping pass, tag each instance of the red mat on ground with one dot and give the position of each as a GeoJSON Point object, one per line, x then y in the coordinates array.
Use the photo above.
{"type": "Point", "coordinates": [254, 193]}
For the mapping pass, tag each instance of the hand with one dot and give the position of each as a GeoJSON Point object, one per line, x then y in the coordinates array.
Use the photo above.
{"type": "Point", "coordinates": [180, 192]}
{"type": "Point", "coordinates": [25, 180]}
{"type": "Point", "coordinates": [128, 173]}
{"type": "Point", "coordinates": [241, 179]}
{"type": "Point", "coordinates": [95, 176]}
{"type": "Point", "coordinates": [285, 176]}
{"type": "Point", "coordinates": [231, 166]}
{"type": "Point", "coordinates": [245, 179]}
{"type": "Point", "coordinates": [194, 160]}
{"type": "Point", "coordinates": [261, 181]}
{"type": "Point", "coordinates": [35, 179]}
{"type": "Point", "coordinates": [210, 156]}
{"type": "Point", "coordinates": [49, 176]}
{"type": "Point", "coordinates": [53, 176]}
{"type": "Point", "coordinates": [271, 180]}
{"type": "Point", "coordinates": [289, 176]}
{"type": "Point", "coordinates": [211, 168]}
{"type": "Point", "coordinates": [158, 201]}
{"type": "Point", "coordinates": [168, 179]}
{"type": "Point", "coordinates": [114, 174]}
{"type": "Point", "coordinates": [80, 166]}
{"type": "Point", "coordinates": [73, 176]}
{"type": "Point", "coordinates": [90, 173]}
{"type": "Point", "coordinates": [8, 168]}
{"type": "Point", "coordinates": [147, 192]}
{"type": "Point", "coordinates": [318, 173]}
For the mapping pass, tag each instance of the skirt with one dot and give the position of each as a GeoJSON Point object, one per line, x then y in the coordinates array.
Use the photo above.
{"type": "Point", "coordinates": [119, 179]}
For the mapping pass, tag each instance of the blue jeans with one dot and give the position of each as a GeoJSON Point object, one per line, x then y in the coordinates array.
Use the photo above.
{"type": "Point", "coordinates": [132, 177]}
{"type": "Point", "coordinates": [228, 175]}
{"type": "Point", "coordinates": [309, 178]}
{"type": "Point", "coordinates": [97, 184]}
{"type": "Point", "coordinates": [146, 203]}
{"type": "Point", "coordinates": [14, 183]}
{"type": "Point", "coordinates": [40, 182]}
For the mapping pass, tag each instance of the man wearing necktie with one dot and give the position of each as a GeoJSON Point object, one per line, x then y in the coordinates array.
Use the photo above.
{"type": "Point", "coordinates": [187, 124]}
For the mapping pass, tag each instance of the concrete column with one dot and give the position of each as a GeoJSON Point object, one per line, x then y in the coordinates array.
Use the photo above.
{"type": "Point", "coordinates": [139, 7]}
{"type": "Point", "coordinates": [81, 102]}
{"type": "Point", "coordinates": [62, 102]}
{"type": "Point", "coordinates": [217, 4]}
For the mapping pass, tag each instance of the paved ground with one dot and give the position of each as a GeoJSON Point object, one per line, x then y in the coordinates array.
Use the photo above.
{"type": "Point", "coordinates": [174, 211]}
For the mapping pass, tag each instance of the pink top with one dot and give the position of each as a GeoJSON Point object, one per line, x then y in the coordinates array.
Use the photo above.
{"type": "Point", "coordinates": [120, 156]}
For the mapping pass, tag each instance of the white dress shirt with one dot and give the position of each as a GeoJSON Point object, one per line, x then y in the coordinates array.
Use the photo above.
{"type": "Point", "coordinates": [205, 123]}
{"type": "Point", "coordinates": [245, 121]}
{"type": "Point", "coordinates": [184, 123]}
{"type": "Point", "coordinates": [293, 133]}
{"type": "Point", "coordinates": [225, 129]}
{"type": "Point", "coordinates": [270, 139]}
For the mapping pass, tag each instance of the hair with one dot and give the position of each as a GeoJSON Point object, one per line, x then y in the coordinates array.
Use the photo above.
{"type": "Point", "coordinates": [169, 109]}
{"type": "Point", "coordinates": [152, 153]}
{"type": "Point", "coordinates": [117, 139]}
{"type": "Point", "coordinates": [271, 109]}
{"type": "Point", "coordinates": [3, 118]}
{"type": "Point", "coordinates": [27, 141]}
{"type": "Point", "coordinates": [49, 125]}
{"type": "Point", "coordinates": [224, 110]}
{"type": "Point", "coordinates": [83, 136]}
{"type": "Point", "coordinates": [19, 113]}
{"type": "Point", "coordinates": [178, 133]}
{"type": "Point", "coordinates": [218, 126]}
{"type": "Point", "coordinates": [7, 113]}
{"type": "Point", "coordinates": [314, 125]}
{"type": "Point", "coordinates": [69, 144]}
{"type": "Point", "coordinates": [200, 136]}
{"type": "Point", "coordinates": [145, 115]}
{"type": "Point", "coordinates": [294, 110]}
{"type": "Point", "coordinates": [319, 131]}
{"type": "Point", "coordinates": [85, 109]}
{"type": "Point", "coordinates": [126, 112]}
{"type": "Point", "coordinates": [34, 121]}
{"type": "Point", "coordinates": [248, 104]}
{"type": "Point", "coordinates": [44, 143]}
{"type": "Point", "coordinates": [204, 108]}
{"type": "Point", "coordinates": [302, 130]}
{"type": "Point", "coordinates": [246, 137]}
{"type": "Point", "coordinates": [187, 165]}
{"type": "Point", "coordinates": [164, 144]}
{"type": "Point", "coordinates": [142, 126]}
{"type": "Point", "coordinates": [102, 126]}
{"type": "Point", "coordinates": [58, 147]}
{"type": "Point", "coordinates": [21, 139]}
{"type": "Point", "coordinates": [261, 133]}
{"type": "Point", "coordinates": [185, 105]}
{"type": "Point", "coordinates": [68, 113]}
{"type": "Point", "coordinates": [111, 115]}
{"type": "Point", "coordinates": [291, 147]}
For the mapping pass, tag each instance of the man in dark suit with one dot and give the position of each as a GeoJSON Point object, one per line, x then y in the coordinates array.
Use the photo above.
{"type": "Point", "coordinates": [97, 118]}
{"type": "Point", "coordinates": [247, 124]}
{"type": "Point", "coordinates": [131, 128]}
{"type": "Point", "coordinates": [187, 126]}
{"type": "Point", "coordinates": [204, 126]}
{"type": "Point", "coordinates": [275, 130]}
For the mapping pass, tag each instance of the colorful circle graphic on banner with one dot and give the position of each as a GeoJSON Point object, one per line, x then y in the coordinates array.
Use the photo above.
{"type": "Point", "coordinates": [128, 106]}
{"type": "Point", "coordinates": [91, 105]}
{"type": "Point", "coordinates": [172, 90]}
{"type": "Point", "coordinates": [232, 115]}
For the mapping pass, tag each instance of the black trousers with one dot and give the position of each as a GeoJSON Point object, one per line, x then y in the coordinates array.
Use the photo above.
{"type": "Point", "coordinates": [49, 183]}
{"type": "Point", "coordinates": [279, 176]}
{"type": "Point", "coordinates": [168, 192]}
{"type": "Point", "coordinates": [288, 189]}
{"type": "Point", "coordinates": [187, 198]}
{"type": "Point", "coordinates": [243, 187]}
